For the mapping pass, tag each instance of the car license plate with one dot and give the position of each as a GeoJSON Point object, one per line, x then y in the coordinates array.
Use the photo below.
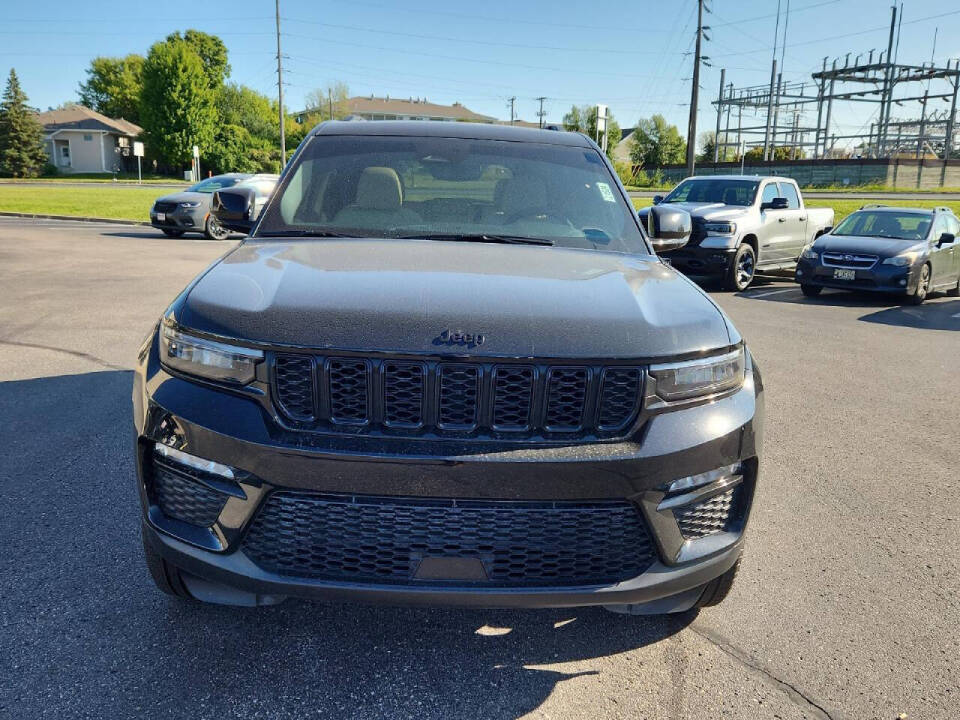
{"type": "Point", "coordinates": [161, 217]}
{"type": "Point", "coordinates": [844, 274]}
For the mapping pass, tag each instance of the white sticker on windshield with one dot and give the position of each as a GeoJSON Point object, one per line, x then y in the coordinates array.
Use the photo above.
{"type": "Point", "coordinates": [605, 192]}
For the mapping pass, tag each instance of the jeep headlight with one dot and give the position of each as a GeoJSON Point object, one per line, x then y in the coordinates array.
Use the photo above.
{"type": "Point", "coordinates": [701, 377]}
{"type": "Point", "coordinates": [195, 204]}
{"type": "Point", "coordinates": [720, 228]}
{"type": "Point", "coordinates": [207, 358]}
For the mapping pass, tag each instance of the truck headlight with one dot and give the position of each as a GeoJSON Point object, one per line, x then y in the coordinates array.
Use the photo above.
{"type": "Point", "coordinates": [207, 358]}
{"type": "Point", "coordinates": [700, 377]}
{"type": "Point", "coordinates": [809, 253]}
{"type": "Point", "coordinates": [190, 204]}
{"type": "Point", "coordinates": [720, 228]}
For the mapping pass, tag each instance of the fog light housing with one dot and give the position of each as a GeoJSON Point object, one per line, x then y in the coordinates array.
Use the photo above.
{"type": "Point", "coordinates": [903, 282]}
{"type": "Point", "coordinates": [192, 461]}
{"type": "Point", "coordinates": [694, 481]}
{"type": "Point", "coordinates": [799, 272]}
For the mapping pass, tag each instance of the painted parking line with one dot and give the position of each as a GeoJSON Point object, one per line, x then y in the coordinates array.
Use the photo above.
{"type": "Point", "coordinates": [771, 292]}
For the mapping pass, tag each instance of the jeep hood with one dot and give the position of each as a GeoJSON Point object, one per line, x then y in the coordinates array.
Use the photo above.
{"type": "Point", "coordinates": [400, 295]}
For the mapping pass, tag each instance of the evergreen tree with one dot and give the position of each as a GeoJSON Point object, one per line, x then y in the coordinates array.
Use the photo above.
{"type": "Point", "coordinates": [21, 135]}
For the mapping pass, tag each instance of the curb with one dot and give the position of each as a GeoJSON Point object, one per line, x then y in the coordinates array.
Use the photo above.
{"type": "Point", "coordinates": [75, 218]}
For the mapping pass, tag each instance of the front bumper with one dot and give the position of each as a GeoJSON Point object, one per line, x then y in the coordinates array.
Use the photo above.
{"type": "Point", "coordinates": [269, 461]}
{"type": "Point", "coordinates": [879, 278]}
{"type": "Point", "coordinates": [186, 219]}
{"type": "Point", "coordinates": [700, 260]}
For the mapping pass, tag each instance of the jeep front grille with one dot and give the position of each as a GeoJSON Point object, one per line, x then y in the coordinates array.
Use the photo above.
{"type": "Point", "coordinates": [413, 398]}
{"type": "Point", "coordinates": [385, 539]}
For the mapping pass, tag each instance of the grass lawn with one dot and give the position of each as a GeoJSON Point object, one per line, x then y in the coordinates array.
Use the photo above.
{"type": "Point", "coordinates": [842, 208]}
{"type": "Point", "coordinates": [102, 178]}
{"type": "Point", "coordinates": [123, 203]}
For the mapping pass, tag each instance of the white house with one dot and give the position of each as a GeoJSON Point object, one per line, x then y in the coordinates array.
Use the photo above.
{"type": "Point", "coordinates": [81, 140]}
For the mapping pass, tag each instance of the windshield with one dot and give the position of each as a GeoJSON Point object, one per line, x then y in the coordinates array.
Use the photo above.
{"type": "Point", "coordinates": [213, 184]}
{"type": "Point", "coordinates": [884, 224]}
{"type": "Point", "coordinates": [454, 189]}
{"type": "Point", "coordinates": [714, 190]}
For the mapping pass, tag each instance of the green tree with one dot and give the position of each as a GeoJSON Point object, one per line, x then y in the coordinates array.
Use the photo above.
{"type": "Point", "coordinates": [329, 103]}
{"type": "Point", "coordinates": [177, 105]}
{"type": "Point", "coordinates": [113, 87]}
{"type": "Point", "coordinates": [256, 113]}
{"type": "Point", "coordinates": [21, 135]}
{"type": "Point", "coordinates": [656, 143]}
{"type": "Point", "coordinates": [584, 119]}
{"type": "Point", "coordinates": [780, 153]}
{"type": "Point", "coordinates": [212, 52]}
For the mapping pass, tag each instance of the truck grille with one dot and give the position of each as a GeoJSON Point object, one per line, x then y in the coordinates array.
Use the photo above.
{"type": "Point", "coordinates": [849, 260]}
{"type": "Point", "coordinates": [384, 540]}
{"type": "Point", "coordinates": [457, 399]}
{"type": "Point", "coordinates": [164, 207]}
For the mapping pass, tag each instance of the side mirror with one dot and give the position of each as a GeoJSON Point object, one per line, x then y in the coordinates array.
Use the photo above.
{"type": "Point", "coordinates": [235, 209]}
{"type": "Point", "coordinates": [946, 239]}
{"type": "Point", "coordinates": [669, 228]}
{"type": "Point", "coordinates": [778, 203]}
{"type": "Point", "coordinates": [657, 199]}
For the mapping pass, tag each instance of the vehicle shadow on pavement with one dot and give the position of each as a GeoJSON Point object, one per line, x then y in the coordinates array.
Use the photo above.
{"type": "Point", "coordinates": [939, 312]}
{"type": "Point", "coordinates": [157, 235]}
{"type": "Point", "coordinates": [85, 633]}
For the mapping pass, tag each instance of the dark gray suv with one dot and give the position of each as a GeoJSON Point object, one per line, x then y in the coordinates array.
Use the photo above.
{"type": "Point", "coordinates": [447, 367]}
{"type": "Point", "coordinates": [189, 210]}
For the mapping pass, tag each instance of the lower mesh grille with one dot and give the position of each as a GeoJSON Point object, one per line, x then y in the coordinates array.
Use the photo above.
{"type": "Point", "coordinates": [184, 499]}
{"type": "Point", "coordinates": [384, 539]}
{"type": "Point", "coordinates": [711, 516]}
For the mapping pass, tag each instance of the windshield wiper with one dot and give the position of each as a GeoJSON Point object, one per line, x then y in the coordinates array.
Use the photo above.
{"type": "Point", "coordinates": [479, 237]}
{"type": "Point", "coordinates": [310, 233]}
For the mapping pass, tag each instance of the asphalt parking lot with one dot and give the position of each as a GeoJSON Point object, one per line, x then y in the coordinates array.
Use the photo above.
{"type": "Point", "coordinates": [848, 605]}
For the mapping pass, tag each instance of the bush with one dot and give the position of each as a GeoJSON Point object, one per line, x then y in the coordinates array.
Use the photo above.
{"type": "Point", "coordinates": [49, 170]}
{"type": "Point", "coordinates": [625, 173]}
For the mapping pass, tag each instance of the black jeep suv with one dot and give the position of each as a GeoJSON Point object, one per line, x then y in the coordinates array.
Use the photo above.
{"type": "Point", "coordinates": [447, 367]}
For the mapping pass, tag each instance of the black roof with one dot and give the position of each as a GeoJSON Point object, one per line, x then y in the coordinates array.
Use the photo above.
{"type": "Point", "coordinates": [428, 128]}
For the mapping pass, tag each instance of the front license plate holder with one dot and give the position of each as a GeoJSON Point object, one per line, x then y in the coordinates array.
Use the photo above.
{"type": "Point", "coordinates": [840, 274]}
{"type": "Point", "coordinates": [161, 217]}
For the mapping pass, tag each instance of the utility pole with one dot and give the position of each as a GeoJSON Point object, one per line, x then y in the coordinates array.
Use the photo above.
{"type": "Point", "coordinates": [886, 99]}
{"type": "Point", "coordinates": [766, 134]}
{"type": "Point", "coordinates": [716, 136]}
{"type": "Point", "coordinates": [283, 134]}
{"type": "Point", "coordinates": [540, 112]}
{"type": "Point", "coordinates": [512, 102]}
{"type": "Point", "coordinates": [694, 91]}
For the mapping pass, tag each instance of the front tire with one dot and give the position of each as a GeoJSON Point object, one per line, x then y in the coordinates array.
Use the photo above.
{"type": "Point", "coordinates": [165, 576]}
{"type": "Point", "coordinates": [213, 230]}
{"type": "Point", "coordinates": [811, 290]}
{"type": "Point", "coordinates": [923, 287]}
{"type": "Point", "coordinates": [742, 269]}
{"type": "Point", "coordinates": [717, 589]}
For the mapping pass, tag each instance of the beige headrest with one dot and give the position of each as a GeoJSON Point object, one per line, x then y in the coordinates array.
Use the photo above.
{"type": "Point", "coordinates": [379, 189]}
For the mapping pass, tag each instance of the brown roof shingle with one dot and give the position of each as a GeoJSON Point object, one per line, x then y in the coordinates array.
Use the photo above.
{"type": "Point", "coordinates": [78, 117]}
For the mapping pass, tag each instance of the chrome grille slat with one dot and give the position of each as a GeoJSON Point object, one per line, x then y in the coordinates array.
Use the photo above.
{"type": "Point", "coordinates": [469, 398]}
{"type": "Point", "coordinates": [854, 261]}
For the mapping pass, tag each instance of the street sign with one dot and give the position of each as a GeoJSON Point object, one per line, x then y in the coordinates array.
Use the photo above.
{"type": "Point", "coordinates": [138, 149]}
{"type": "Point", "coordinates": [601, 118]}
{"type": "Point", "coordinates": [196, 152]}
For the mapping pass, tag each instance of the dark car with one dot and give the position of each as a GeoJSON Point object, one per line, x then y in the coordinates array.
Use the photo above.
{"type": "Point", "coordinates": [447, 367]}
{"type": "Point", "coordinates": [905, 251]}
{"type": "Point", "coordinates": [189, 211]}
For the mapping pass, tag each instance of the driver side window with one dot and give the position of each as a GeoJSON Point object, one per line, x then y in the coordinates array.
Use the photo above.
{"type": "Point", "coordinates": [770, 191]}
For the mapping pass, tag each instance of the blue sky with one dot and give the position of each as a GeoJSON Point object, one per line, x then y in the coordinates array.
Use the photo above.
{"type": "Point", "coordinates": [630, 56]}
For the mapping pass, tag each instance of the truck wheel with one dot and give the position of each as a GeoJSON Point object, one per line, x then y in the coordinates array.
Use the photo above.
{"type": "Point", "coordinates": [741, 270]}
{"type": "Point", "coordinates": [923, 287]}
{"type": "Point", "coordinates": [717, 589]}
{"type": "Point", "coordinates": [165, 576]}
{"type": "Point", "coordinates": [811, 290]}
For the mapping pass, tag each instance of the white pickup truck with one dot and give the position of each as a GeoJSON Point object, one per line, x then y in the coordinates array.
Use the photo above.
{"type": "Point", "coordinates": [742, 225]}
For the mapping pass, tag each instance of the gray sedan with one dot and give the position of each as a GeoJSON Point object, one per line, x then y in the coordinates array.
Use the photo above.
{"type": "Point", "coordinates": [189, 211]}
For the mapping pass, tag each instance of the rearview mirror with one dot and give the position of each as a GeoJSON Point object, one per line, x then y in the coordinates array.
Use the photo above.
{"type": "Point", "coordinates": [234, 209]}
{"type": "Point", "coordinates": [778, 203]}
{"type": "Point", "coordinates": [946, 239]}
{"type": "Point", "coordinates": [657, 199]}
{"type": "Point", "coordinates": [669, 228]}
